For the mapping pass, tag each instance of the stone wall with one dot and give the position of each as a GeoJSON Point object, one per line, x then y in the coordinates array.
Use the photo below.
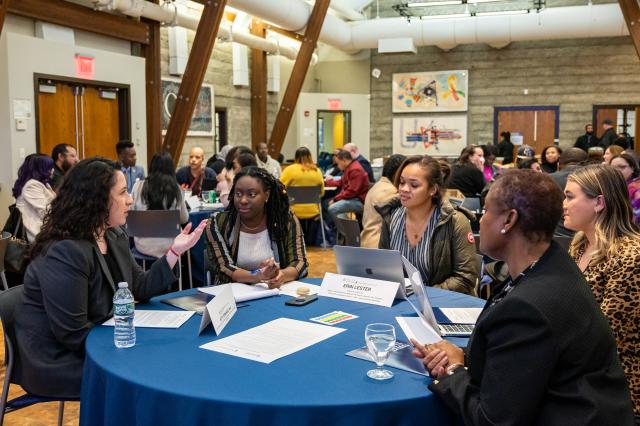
{"type": "Point", "coordinates": [573, 74]}
{"type": "Point", "coordinates": [236, 99]}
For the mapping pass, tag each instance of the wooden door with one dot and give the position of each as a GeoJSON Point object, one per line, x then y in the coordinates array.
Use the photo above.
{"type": "Point", "coordinates": [604, 114]}
{"type": "Point", "coordinates": [537, 126]}
{"type": "Point", "coordinates": [100, 130]}
{"type": "Point", "coordinates": [56, 116]}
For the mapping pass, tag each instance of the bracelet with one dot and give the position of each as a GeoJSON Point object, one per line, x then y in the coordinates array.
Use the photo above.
{"type": "Point", "coordinates": [452, 368]}
{"type": "Point", "coordinates": [171, 250]}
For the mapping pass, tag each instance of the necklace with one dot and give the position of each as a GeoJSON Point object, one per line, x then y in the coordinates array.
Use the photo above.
{"type": "Point", "coordinates": [248, 228]}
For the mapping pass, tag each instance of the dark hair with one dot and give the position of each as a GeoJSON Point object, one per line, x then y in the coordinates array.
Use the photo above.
{"type": "Point", "coordinates": [160, 189]}
{"type": "Point", "coordinates": [535, 196]}
{"type": "Point", "coordinates": [466, 153]}
{"type": "Point", "coordinates": [246, 159]}
{"type": "Point", "coordinates": [35, 166]}
{"type": "Point", "coordinates": [490, 150]}
{"type": "Point", "coordinates": [445, 168]}
{"type": "Point", "coordinates": [81, 206]}
{"type": "Point", "coordinates": [303, 157]}
{"type": "Point", "coordinates": [392, 165]}
{"type": "Point", "coordinates": [343, 154]}
{"type": "Point", "coordinates": [631, 161]}
{"type": "Point", "coordinates": [122, 145]}
{"type": "Point", "coordinates": [277, 206]}
{"type": "Point", "coordinates": [61, 148]}
{"type": "Point", "coordinates": [573, 156]}
{"type": "Point", "coordinates": [543, 155]}
{"type": "Point", "coordinates": [506, 136]}
{"type": "Point", "coordinates": [432, 170]}
{"type": "Point", "coordinates": [527, 164]}
{"type": "Point", "coordinates": [233, 154]}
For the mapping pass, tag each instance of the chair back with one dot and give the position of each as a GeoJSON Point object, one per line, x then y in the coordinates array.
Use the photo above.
{"type": "Point", "coordinates": [4, 241]}
{"type": "Point", "coordinates": [303, 194]}
{"type": "Point", "coordinates": [9, 299]}
{"type": "Point", "coordinates": [564, 241]}
{"type": "Point", "coordinates": [153, 223]}
{"type": "Point", "coordinates": [471, 203]}
{"type": "Point", "coordinates": [349, 229]}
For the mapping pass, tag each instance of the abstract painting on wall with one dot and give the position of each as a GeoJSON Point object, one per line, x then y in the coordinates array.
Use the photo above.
{"type": "Point", "coordinates": [202, 119]}
{"type": "Point", "coordinates": [435, 135]}
{"type": "Point", "coordinates": [438, 91]}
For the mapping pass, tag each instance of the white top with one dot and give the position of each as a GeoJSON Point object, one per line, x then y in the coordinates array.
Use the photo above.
{"type": "Point", "coordinates": [253, 249]}
{"type": "Point", "coordinates": [271, 165]}
{"type": "Point", "coordinates": [33, 202]}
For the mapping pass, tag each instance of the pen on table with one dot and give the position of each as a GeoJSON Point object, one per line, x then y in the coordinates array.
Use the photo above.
{"type": "Point", "coordinates": [244, 305]}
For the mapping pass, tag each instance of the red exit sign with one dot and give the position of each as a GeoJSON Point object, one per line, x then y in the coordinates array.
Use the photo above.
{"type": "Point", "coordinates": [84, 66]}
{"type": "Point", "coordinates": [334, 104]}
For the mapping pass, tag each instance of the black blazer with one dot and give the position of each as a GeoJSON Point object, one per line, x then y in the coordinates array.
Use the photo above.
{"type": "Point", "coordinates": [544, 355]}
{"type": "Point", "coordinates": [68, 290]}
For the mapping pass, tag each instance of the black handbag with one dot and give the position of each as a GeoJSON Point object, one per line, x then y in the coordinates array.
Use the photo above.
{"type": "Point", "coordinates": [16, 257]}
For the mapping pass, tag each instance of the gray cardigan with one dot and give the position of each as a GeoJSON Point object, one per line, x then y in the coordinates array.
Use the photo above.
{"type": "Point", "coordinates": [67, 291]}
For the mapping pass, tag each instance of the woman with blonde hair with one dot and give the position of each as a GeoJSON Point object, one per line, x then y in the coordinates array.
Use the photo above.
{"type": "Point", "coordinates": [304, 172]}
{"type": "Point", "coordinates": [610, 152]}
{"type": "Point", "coordinates": [606, 248]}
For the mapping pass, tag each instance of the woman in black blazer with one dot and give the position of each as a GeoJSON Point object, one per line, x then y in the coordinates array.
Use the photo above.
{"type": "Point", "coordinates": [79, 257]}
{"type": "Point", "coordinates": [541, 353]}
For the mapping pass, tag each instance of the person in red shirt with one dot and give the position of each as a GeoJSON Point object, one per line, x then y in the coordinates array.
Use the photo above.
{"type": "Point", "coordinates": [353, 185]}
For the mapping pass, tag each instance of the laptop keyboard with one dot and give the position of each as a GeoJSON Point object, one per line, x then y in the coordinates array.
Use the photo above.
{"type": "Point", "coordinates": [456, 328]}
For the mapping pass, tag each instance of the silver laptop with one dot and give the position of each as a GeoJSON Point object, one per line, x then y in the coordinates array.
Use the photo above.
{"type": "Point", "coordinates": [424, 309]}
{"type": "Point", "coordinates": [373, 263]}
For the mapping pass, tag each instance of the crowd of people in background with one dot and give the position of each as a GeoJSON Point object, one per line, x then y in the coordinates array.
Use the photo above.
{"type": "Point", "coordinates": [590, 192]}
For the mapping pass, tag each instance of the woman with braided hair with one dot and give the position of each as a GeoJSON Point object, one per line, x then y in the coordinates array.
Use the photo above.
{"type": "Point", "coordinates": [257, 238]}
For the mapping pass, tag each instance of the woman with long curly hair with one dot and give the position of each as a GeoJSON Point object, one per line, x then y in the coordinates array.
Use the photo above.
{"type": "Point", "coordinates": [257, 238]}
{"type": "Point", "coordinates": [33, 193]}
{"type": "Point", "coordinates": [79, 257]}
{"type": "Point", "coordinates": [606, 248]}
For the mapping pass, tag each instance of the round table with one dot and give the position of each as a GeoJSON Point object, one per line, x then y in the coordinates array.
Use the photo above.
{"type": "Point", "coordinates": [166, 379]}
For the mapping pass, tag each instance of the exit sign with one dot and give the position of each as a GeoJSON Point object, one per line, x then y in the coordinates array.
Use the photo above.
{"type": "Point", "coordinates": [84, 66]}
{"type": "Point", "coordinates": [334, 104]}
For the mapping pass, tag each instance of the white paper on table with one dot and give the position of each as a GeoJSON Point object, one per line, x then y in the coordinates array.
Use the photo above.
{"type": "Point", "coordinates": [289, 289]}
{"type": "Point", "coordinates": [462, 315]}
{"type": "Point", "coordinates": [219, 311]}
{"type": "Point", "coordinates": [157, 319]}
{"type": "Point", "coordinates": [415, 328]}
{"type": "Point", "coordinates": [193, 202]}
{"type": "Point", "coordinates": [243, 292]}
{"type": "Point", "coordinates": [273, 340]}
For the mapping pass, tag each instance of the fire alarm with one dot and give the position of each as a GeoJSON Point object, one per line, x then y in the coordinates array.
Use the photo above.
{"type": "Point", "coordinates": [306, 113]}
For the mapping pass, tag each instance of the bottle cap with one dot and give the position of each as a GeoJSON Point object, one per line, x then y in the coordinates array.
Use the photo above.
{"type": "Point", "coordinates": [123, 285]}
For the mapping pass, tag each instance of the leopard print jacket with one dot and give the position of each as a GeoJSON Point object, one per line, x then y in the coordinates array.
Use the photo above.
{"type": "Point", "coordinates": [616, 286]}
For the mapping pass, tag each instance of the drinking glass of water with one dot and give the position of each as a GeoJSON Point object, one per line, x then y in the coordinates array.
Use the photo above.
{"type": "Point", "coordinates": [380, 340]}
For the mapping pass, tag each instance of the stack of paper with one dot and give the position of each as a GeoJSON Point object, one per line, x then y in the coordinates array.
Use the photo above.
{"type": "Point", "coordinates": [243, 292]}
{"type": "Point", "coordinates": [157, 319]}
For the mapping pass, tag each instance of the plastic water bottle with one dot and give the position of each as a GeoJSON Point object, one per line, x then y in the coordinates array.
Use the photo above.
{"type": "Point", "coordinates": [124, 333]}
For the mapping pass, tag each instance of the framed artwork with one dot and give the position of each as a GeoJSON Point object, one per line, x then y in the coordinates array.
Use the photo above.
{"type": "Point", "coordinates": [202, 120]}
{"type": "Point", "coordinates": [443, 135]}
{"type": "Point", "coordinates": [437, 91]}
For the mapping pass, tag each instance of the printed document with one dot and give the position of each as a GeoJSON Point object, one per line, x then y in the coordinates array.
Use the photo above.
{"type": "Point", "coordinates": [416, 328]}
{"type": "Point", "coordinates": [273, 340]}
{"type": "Point", "coordinates": [461, 315]}
{"type": "Point", "coordinates": [243, 292]}
{"type": "Point", "coordinates": [157, 319]}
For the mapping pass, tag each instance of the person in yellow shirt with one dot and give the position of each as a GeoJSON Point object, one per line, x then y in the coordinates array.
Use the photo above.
{"type": "Point", "coordinates": [304, 172]}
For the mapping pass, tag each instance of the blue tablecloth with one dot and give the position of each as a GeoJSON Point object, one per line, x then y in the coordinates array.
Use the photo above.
{"type": "Point", "coordinates": [166, 379]}
{"type": "Point", "coordinates": [197, 251]}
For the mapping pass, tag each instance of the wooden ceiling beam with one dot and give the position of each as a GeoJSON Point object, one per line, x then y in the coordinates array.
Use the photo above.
{"type": "Point", "coordinates": [286, 33]}
{"type": "Point", "coordinates": [631, 11]}
{"type": "Point", "coordinates": [300, 68]}
{"type": "Point", "coordinates": [4, 6]}
{"type": "Point", "coordinates": [193, 76]}
{"type": "Point", "coordinates": [153, 90]}
{"type": "Point", "coordinates": [258, 88]}
{"type": "Point", "coordinates": [81, 18]}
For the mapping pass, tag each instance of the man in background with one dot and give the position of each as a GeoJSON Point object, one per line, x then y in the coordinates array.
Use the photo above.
{"type": "Point", "coordinates": [127, 156]}
{"type": "Point", "coordinates": [64, 157]}
{"type": "Point", "coordinates": [588, 140]}
{"type": "Point", "coordinates": [355, 154]}
{"type": "Point", "coordinates": [192, 176]}
{"type": "Point", "coordinates": [353, 186]}
{"type": "Point", "coordinates": [609, 136]}
{"type": "Point", "coordinates": [266, 162]}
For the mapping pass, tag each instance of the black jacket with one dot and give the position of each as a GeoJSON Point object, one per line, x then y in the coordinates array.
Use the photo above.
{"type": "Point", "coordinates": [67, 291]}
{"type": "Point", "coordinates": [586, 141]}
{"type": "Point", "coordinates": [544, 355]}
{"type": "Point", "coordinates": [505, 149]}
{"type": "Point", "coordinates": [366, 166]}
{"type": "Point", "coordinates": [468, 179]}
{"type": "Point", "coordinates": [608, 138]}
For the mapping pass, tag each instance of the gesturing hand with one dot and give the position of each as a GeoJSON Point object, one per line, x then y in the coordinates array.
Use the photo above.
{"type": "Point", "coordinates": [185, 240]}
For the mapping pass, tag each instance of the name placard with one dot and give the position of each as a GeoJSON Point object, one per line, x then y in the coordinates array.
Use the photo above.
{"type": "Point", "coordinates": [219, 311]}
{"type": "Point", "coordinates": [359, 289]}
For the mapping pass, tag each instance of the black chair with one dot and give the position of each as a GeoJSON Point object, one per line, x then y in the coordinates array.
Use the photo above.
{"type": "Point", "coordinates": [348, 230]}
{"type": "Point", "coordinates": [156, 224]}
{"type": "Point", "coordinates": [308, 195]}
{"type": "Point", "coordinates": [472, 203]}
{"type": "Point", "coordinates": [8, 301]}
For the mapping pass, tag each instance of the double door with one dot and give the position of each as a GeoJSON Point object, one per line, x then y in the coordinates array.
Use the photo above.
{"type": "Point", "coordinates": [83, 115]}
{"type": "Point", "coordinates": [535, 126]}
